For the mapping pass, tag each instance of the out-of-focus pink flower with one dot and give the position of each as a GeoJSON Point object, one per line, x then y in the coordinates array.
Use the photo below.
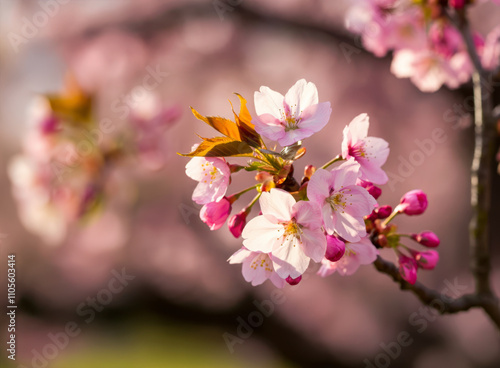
{"type": "Point", "coordinates": [257, 267]}
{"type": "Point", "coordinates": [413, 203]}
{"type": "Point", "coordinates": [215, 214]}
{"type": "Point", "coordinates": [444, 61]}
{"type": "Point", "coordinates": [335, 248]}
{"type": "Point", "coordinates": [370, 152]}
{"type": "Point", "coordinates": [429, 70]}
{"type": "Point", "coordinates": [427, 239]}
{"type": "Point", "coordinates": [343, 203]}
{"type": "Point", "coordinates": [237, 223]}
{"type": "Point", "coordinates": [150, 119]}
{"type": "Point", "coordinates": [289, 230]}
{"type": "Point", "coordinates": [213, 174]}
{"type": "Point", "coordinates": [427, 259]}
{"type": "Point", "coordinates": [356, 254]}
{"type": "Point", "coordinates": [408, 268]}
{"type": "Point", "coordinates": [490, 57]}
{"type": "Point", "coordinates": [289, 119]}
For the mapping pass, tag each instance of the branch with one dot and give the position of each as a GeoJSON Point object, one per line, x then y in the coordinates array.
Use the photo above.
{"type": "Point", "coordinates": [442, 303]}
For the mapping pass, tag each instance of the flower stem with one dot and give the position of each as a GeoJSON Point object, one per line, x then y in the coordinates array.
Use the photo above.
{"type": "Point", "coordinates": [237, 195]}
{"type": "Point", "coordinates": [390, 218]}
{"type": "Point", "coordinates": [332, 161]}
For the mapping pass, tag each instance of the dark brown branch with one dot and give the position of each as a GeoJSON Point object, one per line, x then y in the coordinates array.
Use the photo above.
{"type": "Point", "coordinates": [444, 304]}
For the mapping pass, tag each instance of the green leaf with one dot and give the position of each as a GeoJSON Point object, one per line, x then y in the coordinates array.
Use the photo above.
{"type": "Point", "coordinates": [221, 147]}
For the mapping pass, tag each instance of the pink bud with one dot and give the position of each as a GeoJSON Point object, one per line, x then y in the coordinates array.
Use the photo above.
{"type": "Point", "coordinates": [413, 203]}
{"type": "Point", "coordinates": [457, 4]}
{"type": "Point", "coordinates": [374, 191]}
{"type": "Point", "coordinates": [293, 281]}
{"type": "Point", "coordinates": [427, 239]}
{"type": "Point", "coordinates": [309, 170]}
{"type": "Point", "coordinates": [49, 125]}
{"type": "Point", "coordinates": [408, 268]}
{"type": "Point", "coordinates": [427, 259]}
{"type": "Point", "coordinates": [214, 214]}
{"type": "Point", "coordinates": [237, 223]}
{"type": "Point", "coordinates": [335, 248]}
{"type": "Point", "coordinates": [383, 212]}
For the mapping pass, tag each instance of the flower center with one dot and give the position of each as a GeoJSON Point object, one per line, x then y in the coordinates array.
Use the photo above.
{"type": "Point", "coordinates": [338, 201]}
{"type": "Point", "coordinates": [358, 151]}
{"type": "Point", "coordinates": [290, 230]}
{"type": "Point", "coordinates": [262, 261]}
{"type": "Point", "coordinates": [210, 171]}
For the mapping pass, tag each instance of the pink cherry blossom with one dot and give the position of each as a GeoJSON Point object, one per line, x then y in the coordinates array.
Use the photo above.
{"type": "Point", "coordinates": [356, 254]}
{"type": "Point", "coordinates": [289, 119]}
{"type": "Point", "coordinates": [257, 267]}
{"type": "Point", "coordinates": [370, 152]}
{"type": "Point", "coordinates": [213, 174]}
{"type": "Point", "coordinates": [289, 230]}
{"type": "Point", "coordinates": [343, 203]}
{"type": "Point", "coordinates": [215, 214]}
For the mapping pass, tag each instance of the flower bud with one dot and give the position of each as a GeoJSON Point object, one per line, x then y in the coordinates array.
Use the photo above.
{"type": "Point", "coordinates": [374, 191]}
{"type": "Point", "coordinates": [383, 212]}
{"type": "Point", "coordinates": [427, 239]}
{"type": "Point", "coordinates": [293, 281]}
{"type": "Point", "coordinates": [382, 240]}
{"type": "Point", "coordinates": [413, 203]}
{"type": "Point", "coordinates": [408, 268]}
{"type": "Point", "coordinates": [237, 223]}
{"type": "Point", "coordinates": [309, 170]}
{"type": "Point", "coordinates": [427, 259]}
{"type": "Point", "coordinates": [335, 248]}
{"type": "Point", "coordinates": [214, 214]}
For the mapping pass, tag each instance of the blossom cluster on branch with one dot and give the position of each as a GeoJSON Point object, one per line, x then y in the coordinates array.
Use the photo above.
{"type": "Point", "coordinates": [331, 216]}
{"type": "Point", "coordinates": [427, 44]}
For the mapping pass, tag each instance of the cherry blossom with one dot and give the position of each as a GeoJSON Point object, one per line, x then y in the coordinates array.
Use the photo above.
{"type": "Point", "coordinates": [413, 203]}
{"type": "Point", "coordinates": [356, 254]}
{"type": "Point", "coordinates": [370, 152]}
{"type": "Point", "coordinates": [289, 230]}
{"type": "Point", "coordinates": [213, 174]}
{"type": "Point", "coordinates": [295, 116]}
{"type": "Point", "coordinates": [256, 267]}
{"type": "Point", "coordinates": [342, 202]}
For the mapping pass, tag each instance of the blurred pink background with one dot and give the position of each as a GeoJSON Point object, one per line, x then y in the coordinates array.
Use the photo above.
{"type": "Point", "coordinates": [185, 295]}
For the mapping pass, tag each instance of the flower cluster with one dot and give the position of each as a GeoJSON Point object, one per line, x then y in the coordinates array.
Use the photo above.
{"type": "Point", "coordinates": [69, 160]}
{"type": "Point", "coordinates": [428, 47]}
{"type": "Point", "coordinates": [330, 217]}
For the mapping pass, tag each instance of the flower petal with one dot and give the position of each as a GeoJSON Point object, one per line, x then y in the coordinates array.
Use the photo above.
{"type": "Point", "coordinates": [277, 203]}
{"type": "Point", "coordinates": [314, 243]}
{"type": "Point", "coordinates": [365, 251]}
{"type": "Point", "coordinates": [307, 214]}
{"type": "Point", "coordinates": [319, 186]}
{"type": "Point", "coordinates": [315, 117]}
{"type": "Point", "coordinates": [289, 258]}
{"type": "Point", "coordinates": [345, 174]}
{"type": "Point", "coordinates": [301, 95]}
{"type": "Point", "coordinates": [260, 235]}
{"type": "Point", "coordinates": [239, 256]}
{"type": "Point", "coordinates": [270, 127]}
{"type": "Point", "coordinates": [268, 101]}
